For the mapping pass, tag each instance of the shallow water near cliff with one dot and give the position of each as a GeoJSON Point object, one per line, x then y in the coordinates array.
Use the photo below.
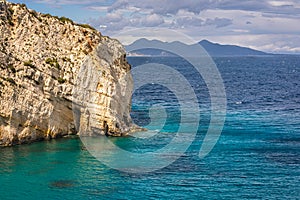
{"type": "Point", "coordinates": [257, 155]}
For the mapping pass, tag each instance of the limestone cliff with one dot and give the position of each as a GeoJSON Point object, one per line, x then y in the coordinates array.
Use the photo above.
{"type": "Point", "coordinates": [51, 68]}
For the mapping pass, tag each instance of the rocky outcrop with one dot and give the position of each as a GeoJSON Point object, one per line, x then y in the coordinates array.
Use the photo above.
{"type": "Point", "coordinates": [58, 78]}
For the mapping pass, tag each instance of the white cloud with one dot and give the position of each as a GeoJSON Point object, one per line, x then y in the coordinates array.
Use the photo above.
{"type": "Point", "coordinates": [114, 17]}
{"type": "Point", "coordinates": [218, 22]}
{"type": "Point", "coordinates": [163, 7]}
{"type": "Point", "coordinates": [67, 2]}
{"type": "Point", "coordinates": [98, 8]}
{"type": "Point", "coordinates": [152, 20]}
{"type": "Point", "coordinates": [270, 25]}
{"type": "Point", "coordinates": [187, 21]}
{"type": "Point", "coordinates": [281, 3]}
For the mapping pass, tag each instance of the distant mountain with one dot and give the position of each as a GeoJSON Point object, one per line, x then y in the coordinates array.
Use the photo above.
{"type": "Point", "coordinates": [213, 49]}
{"type": "Point", "coordinates": [148, 51]}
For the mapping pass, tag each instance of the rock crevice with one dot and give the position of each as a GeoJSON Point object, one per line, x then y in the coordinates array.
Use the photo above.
{"type": "Point", "coordinates": [51, 68]}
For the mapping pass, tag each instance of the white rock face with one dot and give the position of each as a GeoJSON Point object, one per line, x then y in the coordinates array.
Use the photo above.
{"type": "Point", "coordinates": [50, 67]}
{"type": "Point", "coordinates": [102, 92]}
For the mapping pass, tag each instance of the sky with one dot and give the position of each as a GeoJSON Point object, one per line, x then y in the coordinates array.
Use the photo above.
{"type": "Point", "coordinates": [266, 25]}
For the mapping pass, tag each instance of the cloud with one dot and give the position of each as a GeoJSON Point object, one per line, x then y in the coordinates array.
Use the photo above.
{"type": "Point", "coordinates": [117, 21]}
{"type": "Point", "coordinates": [247, 5]}
{"type": "Point", "coordinates": [188, 22]}
{"type": "Point", "coordinates": [192, 21]}
{"type": "Point", "coordinates": [152, 20]}
{"type": "Point", "coordinates": [67, 2]}
{"type": "Point", "coordinates": [114, 17]}
{"type": "Point", "coordinates": [163, 7]}
{"type": "Point", "coordinates": [120, 4]}
{"type": "Point", "coordinates": [219, 22]}
{"type": "Point", "coordinates": [178, 13]}
{"type": "Point", "coordinates": [98, 8]}
{"type": "Point", "coordinates": [236, 21]}
{"type": "Point", "coordinates": [111, 23]}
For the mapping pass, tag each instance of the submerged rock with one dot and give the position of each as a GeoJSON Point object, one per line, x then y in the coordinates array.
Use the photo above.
{"type": "Point", "coordinates": [62, 184]}
{"type": "Point", "coordinates": [51, 68]}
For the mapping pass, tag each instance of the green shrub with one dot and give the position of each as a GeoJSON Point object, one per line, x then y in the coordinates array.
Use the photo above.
{"type": "Point", "coordinates": [48, 61]}
{"type": "Point", "coordinates": [12, 68]}
{"type": "Point", "coordinates": [12, 81]}
{"type": "Point", "coordinates": [29, 64]}
{"type": "Point", "coordinates": [28, 77]}
{"type": "Point", "coordinates": [23, 5]}
{"type": "Point", "coordinates": [35, 14]}
{"type": "Point", "coordinates": [11, 11]}
{"type": "Point", "coordinates": [61, 80]}
{"type": "Point", "coordinates": [85, 52]}
{"type": "Point", "coordinates": [65, 19]}
{"type": "Point", "coordinates": [65, 59]}
{"type": "Point", "coordinates": [10, 22]}
{"type": "Point", "coordinates": [46, 15]}
{"type": "Point", "coordinates": [86, 26]}
{"type": "Point", "coordinates": [52, 62]}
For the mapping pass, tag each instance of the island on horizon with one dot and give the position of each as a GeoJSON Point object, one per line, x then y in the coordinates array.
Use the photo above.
{"type": "Point", "coordinates": [213, 49]}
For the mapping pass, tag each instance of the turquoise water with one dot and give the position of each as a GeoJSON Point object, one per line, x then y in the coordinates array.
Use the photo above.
{"type": "Point", "coordinates": [256, 157]}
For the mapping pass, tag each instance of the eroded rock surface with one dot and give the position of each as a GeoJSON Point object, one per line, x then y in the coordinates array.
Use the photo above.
{"type": "Point", "coordinates": [50, 67]}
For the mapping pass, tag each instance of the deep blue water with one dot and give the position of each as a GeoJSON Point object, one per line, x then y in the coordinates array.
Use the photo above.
{"type": "Point", "coordinates": [256, 157]}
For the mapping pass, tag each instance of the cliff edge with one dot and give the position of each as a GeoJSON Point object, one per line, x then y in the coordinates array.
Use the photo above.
{"type": "Point", "coordinates": [59, 78]}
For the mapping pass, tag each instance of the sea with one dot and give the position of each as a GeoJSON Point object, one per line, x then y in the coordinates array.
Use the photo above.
{"type": "Point", "coordinates": [257, 155]}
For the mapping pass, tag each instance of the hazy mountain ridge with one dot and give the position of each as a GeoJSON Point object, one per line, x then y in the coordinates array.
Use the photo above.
{"type": "Point", "coordinates": [213, 49]}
